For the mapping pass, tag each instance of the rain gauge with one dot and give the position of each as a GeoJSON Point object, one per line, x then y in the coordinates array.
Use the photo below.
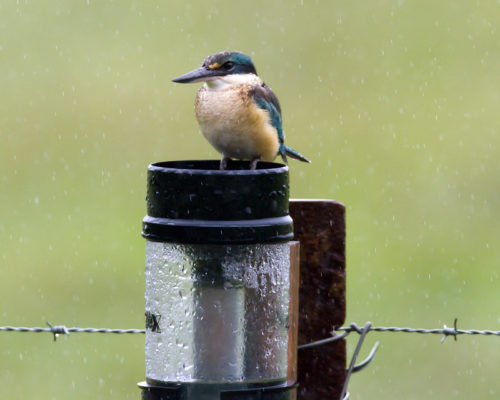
{"type": "Point", "coordinates": [217, 281]}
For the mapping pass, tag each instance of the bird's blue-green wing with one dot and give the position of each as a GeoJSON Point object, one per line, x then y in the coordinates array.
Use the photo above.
{"type": "Point", "coordinates": [265, 99]}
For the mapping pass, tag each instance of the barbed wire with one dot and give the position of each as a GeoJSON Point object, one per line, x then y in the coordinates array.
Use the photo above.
{"type": "Point", "coordinates": [57, 330]}
{"type": "Point", "coordinates": [346, 330]}
{"type": "Point", "coordinates": [446, 331]}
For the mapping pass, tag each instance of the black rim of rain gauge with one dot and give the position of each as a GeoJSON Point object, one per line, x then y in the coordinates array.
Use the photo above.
{"type": "Point", "coordinates": [196, 202]}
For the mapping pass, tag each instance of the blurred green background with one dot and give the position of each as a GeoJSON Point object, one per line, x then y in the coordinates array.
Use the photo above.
{"type": "Point", "coordinates": [396, 102]}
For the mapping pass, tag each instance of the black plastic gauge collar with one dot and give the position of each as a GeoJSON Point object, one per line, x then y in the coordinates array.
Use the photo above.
{"type": "Point", "coordinates": [196, 202]}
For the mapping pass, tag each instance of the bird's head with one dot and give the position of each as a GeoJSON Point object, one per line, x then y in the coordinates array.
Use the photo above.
{"type": "Point", "coordinates": [219, 65]}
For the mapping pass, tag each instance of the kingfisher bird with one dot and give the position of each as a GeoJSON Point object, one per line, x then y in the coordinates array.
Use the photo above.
{"type": "Point", "coordinates": [237, 112]}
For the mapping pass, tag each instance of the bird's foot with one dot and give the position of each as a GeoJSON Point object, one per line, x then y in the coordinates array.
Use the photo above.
{"type": "Point", "coordinates": [223, 162]}
{"type": "Point", "coordinates": [253, 163]}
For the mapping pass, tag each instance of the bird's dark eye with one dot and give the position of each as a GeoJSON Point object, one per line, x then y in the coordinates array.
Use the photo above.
{"type": "Point", "coordinates": [228, 65]}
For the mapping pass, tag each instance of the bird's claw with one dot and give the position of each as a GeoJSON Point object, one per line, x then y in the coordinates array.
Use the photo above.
{"type": "Point", "coordinates": [223, 163]}
{"type": "Point", "coordinates": [253, 163]}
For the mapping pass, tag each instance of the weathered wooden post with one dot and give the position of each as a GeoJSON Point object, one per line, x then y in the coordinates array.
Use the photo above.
{"type": "Point", "coordinates": [319, 226]}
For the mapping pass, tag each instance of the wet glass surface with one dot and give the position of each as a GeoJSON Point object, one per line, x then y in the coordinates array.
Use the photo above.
{"type": "Point", "coordinates": [221, 312]}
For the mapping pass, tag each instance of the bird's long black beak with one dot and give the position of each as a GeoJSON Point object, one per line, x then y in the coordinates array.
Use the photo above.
{"type": "Point", "coordinates": [198, 75]}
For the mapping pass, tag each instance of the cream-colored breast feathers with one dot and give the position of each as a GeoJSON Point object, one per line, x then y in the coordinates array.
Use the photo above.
{"type": "Point", "coordinates": [232, 123]}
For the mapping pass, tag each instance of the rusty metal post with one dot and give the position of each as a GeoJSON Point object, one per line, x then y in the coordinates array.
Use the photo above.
{"type": "Point", "coordinates": [319, 226]}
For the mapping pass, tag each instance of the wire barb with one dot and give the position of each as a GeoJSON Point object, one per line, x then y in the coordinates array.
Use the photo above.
{"type": "Point", "coordinates": [58, 330]}
{"type": "Point", "coordinates": [364, 332]}
{"type": "Point", "coordinates": [450, 332]}
{"type": "Point", "coordinates": [363, 364]}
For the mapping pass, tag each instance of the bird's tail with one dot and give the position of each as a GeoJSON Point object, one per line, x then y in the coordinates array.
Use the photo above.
{"type": "Point", "coordinates": [295, 154]}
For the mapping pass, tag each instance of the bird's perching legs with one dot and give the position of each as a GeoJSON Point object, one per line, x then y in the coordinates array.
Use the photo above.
{"type": "Point", "coordinates": [223, 162]}
{"type": "Point", "coordinates": [225, 159]}
{"type": "Point", "coordinates": [253, 163]}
